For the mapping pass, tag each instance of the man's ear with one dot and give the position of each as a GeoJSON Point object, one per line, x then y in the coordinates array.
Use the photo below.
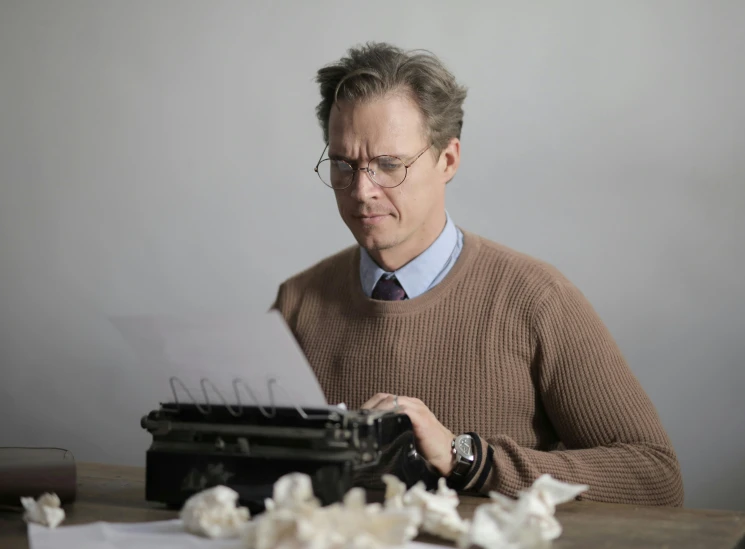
{"type": "Point", "coordinates": [450, 158]}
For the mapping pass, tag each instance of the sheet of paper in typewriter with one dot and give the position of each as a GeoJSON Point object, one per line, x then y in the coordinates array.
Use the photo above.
{"type": "Point", "coordinates": [242, 358]}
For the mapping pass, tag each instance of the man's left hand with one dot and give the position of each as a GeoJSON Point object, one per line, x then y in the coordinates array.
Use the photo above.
{"type": "Point", "coordinates": [434, 440]}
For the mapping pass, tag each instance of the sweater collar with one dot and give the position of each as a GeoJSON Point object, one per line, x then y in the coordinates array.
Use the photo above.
{"type": "Point", "coordinates": [471, 247]}
{"type": "Point", "coordinates": [418, 275]}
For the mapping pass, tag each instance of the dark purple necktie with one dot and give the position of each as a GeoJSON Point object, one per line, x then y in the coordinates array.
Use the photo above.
{"type": "Point", "coordinates": [388, 289]}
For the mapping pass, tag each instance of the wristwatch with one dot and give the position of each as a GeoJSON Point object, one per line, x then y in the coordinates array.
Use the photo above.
{"type": "Point", "coordinates": [463, 456]}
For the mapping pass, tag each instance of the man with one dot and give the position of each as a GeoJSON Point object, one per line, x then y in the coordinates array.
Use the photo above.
{"type": "Point", "coordinates": [502, 365]}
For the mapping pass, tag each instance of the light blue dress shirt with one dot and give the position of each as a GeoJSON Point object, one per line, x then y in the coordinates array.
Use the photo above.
{"type": "Point", "coordinates": [423, 272]}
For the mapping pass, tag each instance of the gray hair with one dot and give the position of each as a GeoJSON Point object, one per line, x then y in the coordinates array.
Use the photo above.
{"type": "Point", "coordinates": [377, 69]}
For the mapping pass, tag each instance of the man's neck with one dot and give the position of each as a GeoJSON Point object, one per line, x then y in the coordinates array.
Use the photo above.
{"type": "Point", "coordinates": [394, 258]}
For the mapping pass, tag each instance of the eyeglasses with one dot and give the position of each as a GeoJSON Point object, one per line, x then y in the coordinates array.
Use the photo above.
{"type": "Point", "coordinates": [386, 170]}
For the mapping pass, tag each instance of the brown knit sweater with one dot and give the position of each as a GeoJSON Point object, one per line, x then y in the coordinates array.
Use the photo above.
{"type": "Point", "coordinates": [505, 348]}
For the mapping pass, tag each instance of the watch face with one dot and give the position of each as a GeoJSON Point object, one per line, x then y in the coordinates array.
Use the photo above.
{"type": "Point", "coordinates": [465, 445]}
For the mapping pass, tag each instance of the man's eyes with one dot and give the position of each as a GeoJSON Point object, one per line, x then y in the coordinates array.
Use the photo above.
{"type": "Point", "coordinates": [385, 165]}
{"type": "Point", "coordinates": [341, 165]}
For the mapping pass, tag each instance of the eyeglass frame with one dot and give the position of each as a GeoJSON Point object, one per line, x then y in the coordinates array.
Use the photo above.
{"type": "Point", "coordinates": [367, 168]}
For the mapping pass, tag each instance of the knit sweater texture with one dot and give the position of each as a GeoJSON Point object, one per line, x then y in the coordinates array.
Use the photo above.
{"type": "Point", "coordinates": [505, 347]}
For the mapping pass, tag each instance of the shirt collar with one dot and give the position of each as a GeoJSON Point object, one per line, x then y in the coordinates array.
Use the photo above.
{"type": "Point", "coordinates": [417, 276]}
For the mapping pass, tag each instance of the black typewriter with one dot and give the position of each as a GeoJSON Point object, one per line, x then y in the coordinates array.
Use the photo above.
{"type": "Point", "coordinates": [248, 449]}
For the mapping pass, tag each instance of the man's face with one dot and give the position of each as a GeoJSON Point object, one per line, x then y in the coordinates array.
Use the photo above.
{"type": "Point", "coordinates": [394, 222]}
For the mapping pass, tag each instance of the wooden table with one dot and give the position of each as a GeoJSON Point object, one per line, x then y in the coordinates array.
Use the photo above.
{"type": "Point", "coordinates": [117, 494]}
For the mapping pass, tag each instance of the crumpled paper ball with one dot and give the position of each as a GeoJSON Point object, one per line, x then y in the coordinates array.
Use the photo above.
{"type": "Point", "coordinates": [213, 513]}
{"type": "Point", "coordinates": [437, 510]}
{"type": "Point", "coordinates": [395, 489]}
{"type": "Point", "coordinates": [45, 511]}
{"type": "Point", "coordinates": [525, 523]}
{"type": "Point", "coordinates": [292, 491]}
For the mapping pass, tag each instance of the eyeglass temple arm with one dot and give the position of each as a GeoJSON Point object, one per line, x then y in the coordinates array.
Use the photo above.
{"type": "Point", "coordinates": [320, 157]}
{"type": "Point", "coordinates": [415, 158]}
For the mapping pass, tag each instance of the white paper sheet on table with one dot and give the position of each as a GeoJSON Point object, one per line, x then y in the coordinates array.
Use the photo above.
{"type": "Point", "coordinates": [146, 535]}
{"type": "Point", "coordinates": [104, 535]}
{"type": "Point", "coordinates": [226, 350]}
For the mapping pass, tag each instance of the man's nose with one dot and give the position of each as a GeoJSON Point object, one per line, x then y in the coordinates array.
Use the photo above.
{"type": "Point", "coordinates": [363, 184]}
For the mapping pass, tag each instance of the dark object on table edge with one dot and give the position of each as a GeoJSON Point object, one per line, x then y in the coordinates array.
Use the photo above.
{"type": "Point", "coordinates": [32, 471]}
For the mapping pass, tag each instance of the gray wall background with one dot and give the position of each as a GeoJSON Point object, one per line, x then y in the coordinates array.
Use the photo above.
{"type": "Point", "coordinates": [156, 157]}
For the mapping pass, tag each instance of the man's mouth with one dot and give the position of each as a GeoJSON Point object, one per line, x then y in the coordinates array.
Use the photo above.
{"type": "Point", "coordinates": [371, 219]}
